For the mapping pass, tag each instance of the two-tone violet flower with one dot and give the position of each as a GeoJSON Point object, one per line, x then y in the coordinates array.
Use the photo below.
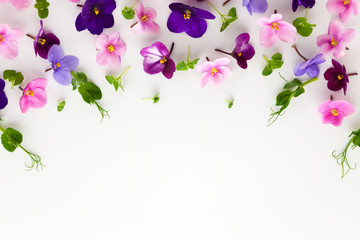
{"type": "Point", "coordinates": [157, 59]}
{"type": "Point", "coordinates": [214, 72]}
{"type": "Point", "coordinates": [8, 41]}
{"type": "Point", "coordinates": [33, 95]}
{"type": "Point", "coordinates": [44, 41]}
{"type": "Point", "coordinates": [62, 65]}
{"type": "Point", "coordinates": [95, 16]}
{"type": "Point", "coordinates": [18, 4]}
{"type": "Point", "coordinates": [110, 49]}
{"type": "Point", "coordinates": [310, 66]}
{"type": "Point", "coordinates": [145, 20]}
{"type": "Point", "coordinates": [274, 28]}
{"type": "Point", "coordinates": [333, 112]}
{"type": "Point", "coordinates": [336, 40]}
{"type": "Point", "coordinates": [256, 6]}
{"type": "Point", "coordinates": [190, 20]}
{"type": "Point", "coordinates": [3, 98]}
{"type": "Point", "coordinates": [345, 8]}
{"type": "Point", "coordinates": [304, 3]}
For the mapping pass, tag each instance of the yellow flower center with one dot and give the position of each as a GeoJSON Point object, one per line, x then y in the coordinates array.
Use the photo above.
{"type": "Point", "coordinates": [214, 71]}
{"type": "Point", "coordinates": [163, 60]}
{"type": "Point", "coordinates": [334, 112]}
{"type": "Point", "coordinates": [110, 48]}
{"type": "Point", "coordinates": [239, 54]}
{"type": "Point", "coordinates": [41, 41]}
{"type": "Point", "coordinates": [1, 38]}
{"type": "Point", "coordinates": [57, 65]}
{"type": "Point", "coordinates": [340, 77]}
{"type": "Point", "coordinates": [334, 42]}
{"type": "Point", "coordinates": [187, 14]}
{"type": "Point", "coordinates": [346, 2]}
{"type": "Point", "coordinates": [96, 11]}
{"type": "Point", "coordinates": [275, 26]}
{"type": "Point", "coordinates": [144, 18]}
{"type": "Point", "coordinates": [29, 93]}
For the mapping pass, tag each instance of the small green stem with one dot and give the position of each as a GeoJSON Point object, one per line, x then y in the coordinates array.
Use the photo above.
{"type": "Point", "coordinates": [188, 53]}
{"type": "Point", "coordinates": [1, 129]}
{"type": "Point", "coordinates": [134, 4]}
{"type": "Point", "coordinates": [222, 16]}
{"type": "Point", "coordinates": [103, 112]}
{"type": "Point", "coordinates": [310, 81]}
{"type": "Point", "coordinates": [119, 78]}
{"type": "Point", "coordinates": [306, 12]}
{"type": "Point", "coordinates": [266, 58]}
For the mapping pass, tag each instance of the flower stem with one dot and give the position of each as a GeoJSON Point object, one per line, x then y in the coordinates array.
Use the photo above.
{"type": "Point", "coordinates": [133, 25]}
{"type": "Point", "coordinates": [310, 81]}
{"type": "Point", "coordinates": [172, 48]}
{"type": "Point", "coordinates": [79, 5]}
{"type": "Point", "coordinates": [188, 53]}
{"type": "Point", "coordinates": [226, 2]}
{"type": "Point", "coordinates": [30, 36]}
{"type": "Point", "coordinates": [134, 4]}
{"type": "Point", "coordinates": [298, 52]}
{"type": "Point", "coordinates": [352, 74]}
{"type": "Point", "coordinates": [215, 8]}
{"type": "Point", "coordinates": [48, 69]}
{"type": "Point", "coordinates": [218, 50]}
{"type": "Point", "coordinates": [306, 12]}
{"type": "Point", "coordinates": [266, 58]}
{"type": "Point", "coordinates": [119, 78]}
{"type": "Point", "coordinates": [103, 112]}
{"type": "Point", "coordinates": [208, 59]}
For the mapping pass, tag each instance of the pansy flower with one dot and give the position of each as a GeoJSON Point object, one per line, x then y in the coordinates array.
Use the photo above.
{"type": "Point", "coordinates": [190, 20]}
{"type": "Point", "coordinates": [157, 59]}
{"type": "Point", "coordinates": [43, 42]}
{"type": "Point", "coordinates": [95, 16]}
{"type": "Point", "coordinates": [337, 77]}
{"type": "Point", "coordinates": [336, 40]}
{"type": "Point", "coordinates": [345, 8]}
{"type": "Point", "coordinates": [304, 3]}
{"type": "Point", "coordinates": [146, 20]}
{"type": "Point", "coordinates": [3, 98]}
{"type": "Point", "coordinates": [8, 41]}
{"type": "Point", "coordinates": [110, 49]}
{"type": "Point", "coordinates": [33, 95]}
{"type": "Point", "coordinates": [310, 67]}
{"type": "Point", "coordinates": [62, 65]}
{"type": "Point", "coordinates": [274, 28]}
{"type": "Point", "coordinates": [18, 4]}
{"type": "Point", "coordinates": [256, 6]}
{"type": "Point", "coordinates": [214, 72]}
{"type": "Point", "coordinates": [333, 112]}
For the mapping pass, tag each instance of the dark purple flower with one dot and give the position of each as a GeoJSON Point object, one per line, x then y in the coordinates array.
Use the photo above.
{"type": "Point", "coordinates": [256, 6]}
{"type": "Point", "coordinates": [243, 50]}
{"type": "Point", "coordinates": [62, 65]}
{"type": "Point", "coordinates": [157, 59]}
{"type": "Point", "coordinates": [43, 42]}
{"type": "Point", "coordinates": [310, 67]}
{"type": "Point", "coordinates": [190, 20]}
{"type": "Point", "coordinates": [337, 77]}
{"type": "Point", "coordinates": [305, 3]}
{"type": "Point", "coordinates": [3, 98]}
{"type": "Point", "coordinates": [95, 16]}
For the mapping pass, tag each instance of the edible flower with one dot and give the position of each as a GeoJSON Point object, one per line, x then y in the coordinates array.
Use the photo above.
{"type": "Point", "coordinates": [214, 72]}
{"type": "Point", "coordinates": [43, 42]}
{"type": "Point", "coordinates": [110, 48]}
{"type": "Point", "coordinates": [337, 77]}
{"type": "Point", "coordinates": [304, 3]}
{"type": "Point", "coordinates": [345, 8]}
{"type": "Point", "coordinates": [333, 112]}
{"type": "Point", "coordinates": [3, 98]}
{"type": "Point", "coordinates": [146, 20]}
{"type": "Point", "coordinates": [8, 41]}
{"type": "Point", "coordinates": [256, 6]}
{"type": "Point", "coordinates": [33, 95]}
{"type": "Point", "coordinates": [18, 4]}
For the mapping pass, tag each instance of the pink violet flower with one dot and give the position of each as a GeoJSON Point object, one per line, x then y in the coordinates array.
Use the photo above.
{"type": "Point", "coordinates": [110, 48]}
{"type": "Point", "coordinates": [274, 28]}
{"type": "Point", "coordinates": [336, 40]}
{"type": "Point", "coordinates": [18, 4]}
{"type": "Point", "coordinates": [334, 111]}
{"type": "Point", "coordinates": [214, 72]}
{"type": "Point", "coordinates": [345, 8]}
{"type": "Point", "coordinates": [8, 41]}
{"type": "Point", "coordinates": [33, 95]}
{"type": "Point", "coordinates": [146, 20]}
{"type": "Point", "coordinates": [75, 1]}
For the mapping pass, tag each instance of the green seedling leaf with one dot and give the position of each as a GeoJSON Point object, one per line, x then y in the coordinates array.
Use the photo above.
{"type": "Point", "coordinates": [15, 78]}
{"type": "Point", "coordinates": [11, 139]}
{"type": "Point", "coordinates": [61, 106]}
{"type": "Point", "coordinates": [283, 97]}
{"type": "Point", "coordinates": [42, 7]}
{"type": "Point", "coordinates": [128, 13]}
{"type": "Point", "coordinates": [267, 70]}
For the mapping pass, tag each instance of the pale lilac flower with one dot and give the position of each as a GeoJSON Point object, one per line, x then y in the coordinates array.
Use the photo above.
{"type": "Point", "coordinates": [214, 72]}
{"type": "Point", "coordinates": [8, 41]}
{"type": "Point", "coordinates": [18, 4]}
{"type": "Point", "coordinates": [33, 95]}
{"type": "Point", "coordinates": [274, 28]}
{"type": "Point", "coordinates": [336, 40]}
{"type": "Point", "coordinates": [334, 111]}
{"type": "Point", "coordinates": [345, 8]}
{"type": "Point", "coordinates": [110, 48]}
{"type": "Point", "coordinates": [146, 20]}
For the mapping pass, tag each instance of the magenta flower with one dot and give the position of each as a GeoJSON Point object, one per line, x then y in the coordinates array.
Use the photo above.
{"type": "Point", "coordinates": [8, 41]}
{"type": "Point", "coordinates": [33, 95]}
{"type": "Point", "coordinates": [146, 20]}
{"type": "Point", "coordinates": [334, 111]}
{"type": "Point", "coordinates": [214, 72]}
{"type": "Point", "coordinates": [336, 40]}
{"type": "Point", "coordinates": [157, 59]}
{"type": "Point", "coordinates": [18, 4]}
{"type": "Point", "coordinates": [110, 48]}
{"type": "Point", "coordinates": [343, 7]}
{"type": "Point", "coordinates": [337, 77]}
{"type": "Point", "coordinates": [274, 28]}
{"type": "Point", "coordinates": [43, 42]}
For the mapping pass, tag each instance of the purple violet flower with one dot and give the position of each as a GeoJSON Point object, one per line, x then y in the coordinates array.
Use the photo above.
{"type": "Point", "coordinates": [95, 16]}
{"type": "Point", "coordinates": [305, 3]}
{"type": "Point", "coordinates": [190, 20]}
{"type": "Point", "coordinates": [43, 42]}
{"type": "Point", "coordinates": [256, 6]}
{"type": "Point", "coordinates": [337, 77]}
{"type": "Point", "coordinates": [243, 51]}
{"type": "Point", "coordinates": [3, 98]}
{"type": "Point", "coordinates": [62, 65]}
{"type": "Point", "coordinates": [157, 59]}
{"type": "Point", "coordinates": [310, 67]}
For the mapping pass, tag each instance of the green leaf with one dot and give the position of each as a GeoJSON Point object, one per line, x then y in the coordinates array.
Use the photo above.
{"type": "Point", "coordinates": [15, 78]}
{"type": "Point", "coordinates": [181, 66]}
{"type": "Point", "coordinates": [292, 84]}
{"type": "Point", "coordinates": [11, 139]}
{"type": "Point", "coordinates": [226, 23]}
{"type": "Point", "coordinates": [78, 79]}
{"type": "Point", "coordinates": [299, 91]}
{"type": "Point", "coordinates": [275, 64]}
{"type": "Point", "coordinates": [110, 79]}
{"type": "Point", "coordinates": [61, 106]}
{"type": "Point", "coordinates": [90, 92]}
{"type": "Point", "coordinates": [230, 103]}
{"type": "Point", "coordinates": [267, 70]}
{"type": "Point", "coordinates": [232, 13]}
{"type": "Point", "coordinates": [303, 27]}
{"type": "Point", "coordinates": [43, 13]}
{"type": "Point", "coordinates": [193, 63]}
{"type": "Point", "coordinates": [277, 56]}
{"type": "Point", "coordinates": [128, 13]}
{"type": "Point", "coordinates": [42, 7]}
{"type": "Point", "coordinates": [8, 73]}
{"type": "Point", "coordinates": [283, 97]}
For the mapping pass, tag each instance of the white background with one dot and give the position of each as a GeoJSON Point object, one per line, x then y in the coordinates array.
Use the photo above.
{"type": "Point", "coordinates": [187, 167]}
